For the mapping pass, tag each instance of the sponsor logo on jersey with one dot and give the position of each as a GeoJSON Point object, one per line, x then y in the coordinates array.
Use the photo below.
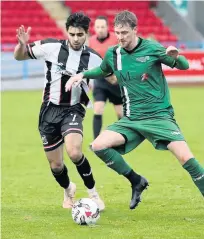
{"type": "Point", "coordinates": [62, 70]}
{"type": "Point", "coordinates": [142, 59]}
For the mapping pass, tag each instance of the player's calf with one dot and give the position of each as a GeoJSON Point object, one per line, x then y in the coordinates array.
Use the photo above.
{"type": "Point", "coordinates": [182, 152]}
{"type": "Point", "coordinates": [116, 162]}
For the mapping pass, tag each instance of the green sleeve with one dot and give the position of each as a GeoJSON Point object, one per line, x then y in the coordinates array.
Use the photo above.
{"type": "Point", "coordinates": [95, 73]}
{"type": "Point", "coordinates": [105, 65]}
{"type": "Point", "coordinates": [182, 63]}
{"type": "Point", "coordinates": [164, 58]}
{"type": "Point", "coordinates": [102, 71]}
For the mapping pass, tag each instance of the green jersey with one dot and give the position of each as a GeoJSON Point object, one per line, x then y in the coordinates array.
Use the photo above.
{"type": "Point", "coordinates": [139, 72]}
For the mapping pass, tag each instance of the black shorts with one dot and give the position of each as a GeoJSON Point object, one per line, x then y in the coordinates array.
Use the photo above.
{"type": "Point", "coordinates": [107, 91]}
{"type": "Point", "coordinates": [56, 121]}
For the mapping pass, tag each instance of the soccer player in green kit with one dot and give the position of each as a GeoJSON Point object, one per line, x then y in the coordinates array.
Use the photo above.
{"type": "Point", "coordinates": [148, 113]}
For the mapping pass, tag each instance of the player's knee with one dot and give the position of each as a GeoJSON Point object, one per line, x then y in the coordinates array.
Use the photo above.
{"type": "Point", "coordinates": [56, 167]}
{"type": "Point", "coordinates": [97, 146]}
{"type": "Point", "coordinates": [74, 154]}
{"type": "Point", "coordinates": [55, 162]}
{"type": "Point", "coordinates": [185, 157]}
{"type": "Point", "coordinates": [98, 108]}
{"type": "Point", "coordinates": [120, 115]}
{"type": "Point", "coordinates": [98, 112]}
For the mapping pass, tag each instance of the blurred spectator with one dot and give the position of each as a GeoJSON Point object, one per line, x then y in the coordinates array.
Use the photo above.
{"type": "Point", "coordinates": [103, 90]}
{"type": "Point", "coordinates": [103, 38]}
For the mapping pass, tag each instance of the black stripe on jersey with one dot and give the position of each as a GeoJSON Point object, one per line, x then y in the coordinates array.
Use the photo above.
{"type": "Point", "coordinates": [115, 58]}
{"type": "Point", "coordinates": [49, 79]}
{"type": "Point", "coordinates": [84, 61]}
{"type": "Point", "coordinates": [30, 51]}
{"type": "Point", "coordinates": [48, 40]}
{"type": "Point", "coordinates": [62, 61]}
{"type": "Point", "coordinates": [84, 99]}
{"type": "Point", "coordinates": [123, 99]}
{"type": "Point", "coordinates": [174, 64]}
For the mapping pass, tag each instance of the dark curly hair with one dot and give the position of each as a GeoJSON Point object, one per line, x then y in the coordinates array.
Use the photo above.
{"type": "Point", "coordinates": [78, 19]}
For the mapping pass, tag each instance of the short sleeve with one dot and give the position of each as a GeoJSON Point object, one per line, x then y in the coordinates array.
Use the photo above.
{"type": "Point", "coordinates": [40, 49]}
{"type": "Point", "coordinates": [94, 61]}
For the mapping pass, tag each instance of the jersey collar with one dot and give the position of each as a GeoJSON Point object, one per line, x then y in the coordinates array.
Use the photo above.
{"type": "Point", "coordinates": [137, 46]}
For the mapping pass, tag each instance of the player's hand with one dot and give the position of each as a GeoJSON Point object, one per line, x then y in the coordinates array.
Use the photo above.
{"type": "Point", "coordinates": [172, 51]}
{"type": "Point", "coordinates": [22, 35]}
{"type": "Point", "coordinates": [112, 79]}
{"type": "Point", "coordinates": [76, 80]}
{"type": "Point", "coordinates": [91, 84]}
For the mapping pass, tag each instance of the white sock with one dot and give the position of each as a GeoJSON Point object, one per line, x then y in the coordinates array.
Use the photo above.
{"type": "Point", "coordinates": [93, 190]}
{"type": "Point", "coordinates": [70, 184]}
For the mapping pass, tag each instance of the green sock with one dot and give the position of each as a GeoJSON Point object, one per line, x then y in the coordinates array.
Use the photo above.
{"type": "Point", "coordinates": [197, 173]}
{"type": "Point", "coordinates": [113, 160]}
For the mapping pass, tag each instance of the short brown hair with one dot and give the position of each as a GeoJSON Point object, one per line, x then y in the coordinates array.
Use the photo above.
{"type": "Point", "coordinates": [126, 18]}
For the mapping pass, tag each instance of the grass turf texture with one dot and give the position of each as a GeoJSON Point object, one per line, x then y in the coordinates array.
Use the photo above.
{"type": "Point", "coordinates": [172, 207]}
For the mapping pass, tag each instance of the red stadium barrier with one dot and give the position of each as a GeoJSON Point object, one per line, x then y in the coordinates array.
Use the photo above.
{"type": "Point", "coordinates": [196, 65]}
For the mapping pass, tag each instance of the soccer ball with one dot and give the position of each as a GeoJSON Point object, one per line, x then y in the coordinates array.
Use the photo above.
{"type": "Point", "coordinates": [85, 212]}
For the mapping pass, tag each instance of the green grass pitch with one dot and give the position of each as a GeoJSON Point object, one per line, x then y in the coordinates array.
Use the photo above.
{"type": "Point", "coordinates": [172, 207]}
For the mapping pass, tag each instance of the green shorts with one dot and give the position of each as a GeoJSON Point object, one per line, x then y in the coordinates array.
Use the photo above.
{"type": "Point", "coordinates": [159, 131]}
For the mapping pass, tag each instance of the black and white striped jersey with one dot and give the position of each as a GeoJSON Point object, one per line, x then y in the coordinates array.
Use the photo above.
{"type": "Point", "coordinates": [62, 62]}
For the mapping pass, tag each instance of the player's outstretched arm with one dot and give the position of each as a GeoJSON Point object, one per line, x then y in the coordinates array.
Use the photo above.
{"type": "Point", "coordinates": [181, 61]}
{"type": "Point", "coordinates": [20, 52]}
{"type": "Point", "coordinates": [95, 73]}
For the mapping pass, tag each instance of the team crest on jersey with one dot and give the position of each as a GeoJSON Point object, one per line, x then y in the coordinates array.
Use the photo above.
{"type": "Point", "coordinates": [44, 139]}
{"type": "Point", "coordinates": [142, 59]}
{"type": "Point", "coordinates": [144, 77]}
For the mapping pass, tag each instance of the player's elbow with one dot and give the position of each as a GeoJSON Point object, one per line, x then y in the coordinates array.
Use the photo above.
{"type": "Point", "coordinates": [187, 66]}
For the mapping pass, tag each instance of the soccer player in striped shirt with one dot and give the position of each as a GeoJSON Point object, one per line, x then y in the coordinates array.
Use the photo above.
{"type": "Point", "coordinates": [148, 112]}
{"type": "Point", "coordinates": [62, 113]}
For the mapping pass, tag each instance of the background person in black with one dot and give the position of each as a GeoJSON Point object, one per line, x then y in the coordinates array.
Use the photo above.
{"type": "Point", "coordinates": [62, 113]}
{"type": "Point", "coordinates": [103, 90]}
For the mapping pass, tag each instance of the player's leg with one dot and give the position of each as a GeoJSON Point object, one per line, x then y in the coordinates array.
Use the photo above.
{"type": "Point", "coordinates": [182, 152]}
{"type": "Point", "coordinates": [119, 111]}
{"type": "Point", "coordinates": [60, 172]}
{"type": "Point", "coordinates": [98, 117]}
{"type": "Point", "coordinates": [115, 98]}
{"type": "Point", "coordinates": [108, 146]}
{"type": "Point", "coordinates": [52, 143]}
{"type": "Point", "coordinates": [72, 131]}
{"type": "Point", "coordinates": [99, 105]}
{"type": "Point", "coordinates": [166, 134]}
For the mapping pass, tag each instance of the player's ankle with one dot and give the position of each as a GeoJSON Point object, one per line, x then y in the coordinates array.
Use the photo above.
{"type": "Point", "coordinates": [92, 190]}
{"type": "Point", "coordinates": [133, 177]}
